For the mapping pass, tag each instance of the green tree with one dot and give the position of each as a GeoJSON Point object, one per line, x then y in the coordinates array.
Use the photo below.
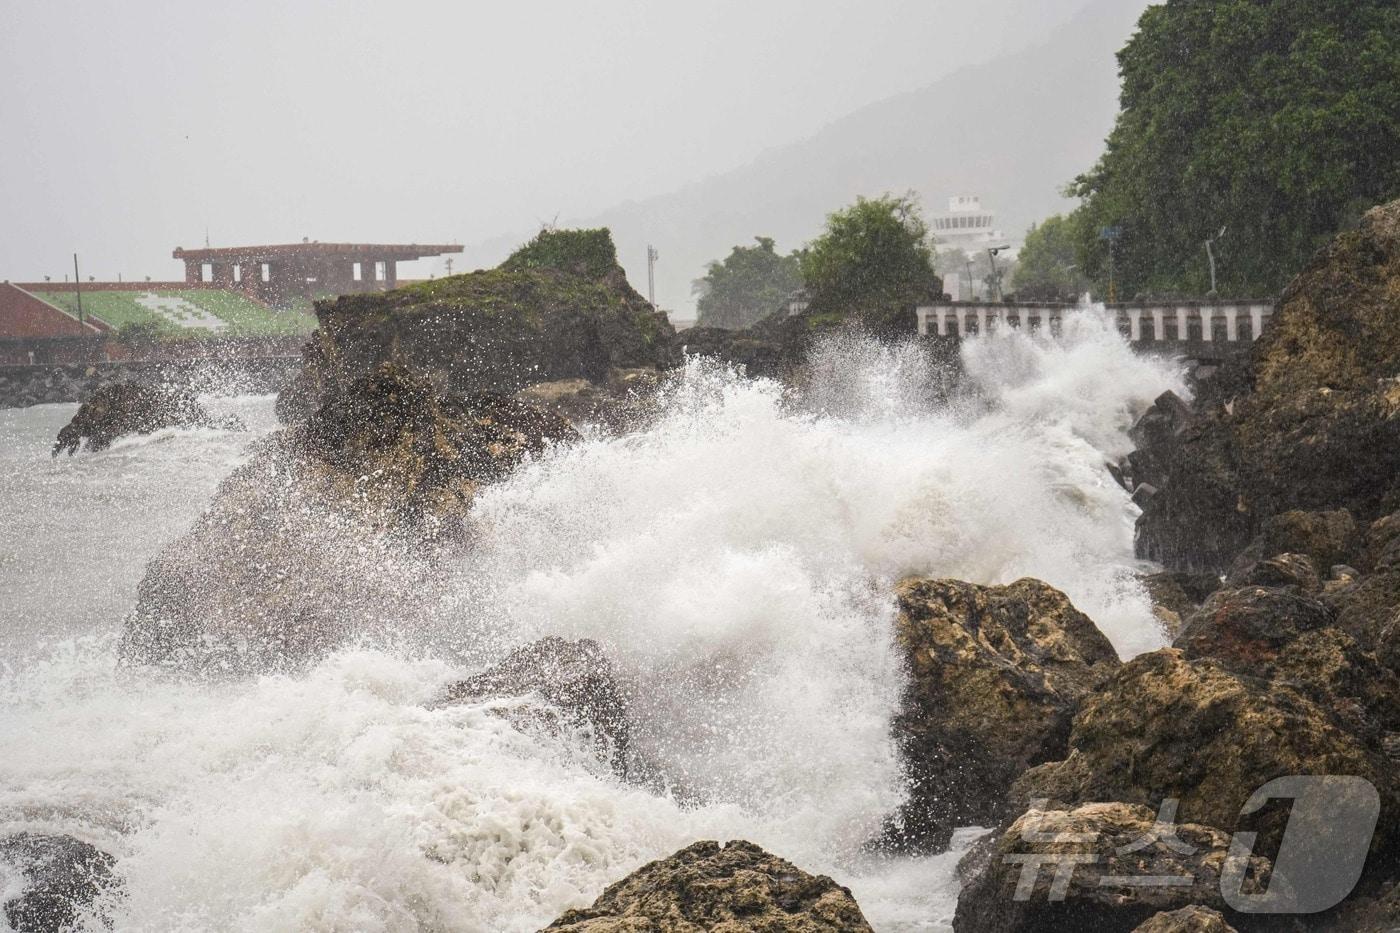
{"type": "Point", "coordinates": [872, 262]}
{"type": "Point", "coordinates": [1047, 268]}
{"type": "Point", "coordinates": [750, 283]}
{"type": "Point", "coordinates": [1277, 119]}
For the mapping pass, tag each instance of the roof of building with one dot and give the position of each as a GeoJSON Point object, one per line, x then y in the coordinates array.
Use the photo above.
{"type": "Point", "coordinates": [376, 251]}
{"type": "Point", "coordinates": [23, 315]}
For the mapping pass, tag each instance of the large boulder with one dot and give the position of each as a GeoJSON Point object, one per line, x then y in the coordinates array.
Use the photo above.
{"type": "Point", "coordinates": [996, 673]}
{"type": "Point", "coordinates": [1369, 605]}
{"type": "Point", "coordinates": [62, 877]}
{"type": "Point", "coordinates": [134, 408]}
{"type": "Point", "coordinates": [567, 685]}
{"type": "Point", "coordinates": [1056, 870]}
{"type": "Point", "coordinates": [726, 889]}
{"type": "Point", "coordinates": [1310, 422]}
{"type": "Point", "coordinates": [559, 308]}
{"type": "Point", "coordinates": [1197, 731]}
{"type": "Point", "coordinates": [332, 530]}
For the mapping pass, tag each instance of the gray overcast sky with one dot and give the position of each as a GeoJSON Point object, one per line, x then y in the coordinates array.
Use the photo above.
{"type": "Point", "coordinates": [127, 128]}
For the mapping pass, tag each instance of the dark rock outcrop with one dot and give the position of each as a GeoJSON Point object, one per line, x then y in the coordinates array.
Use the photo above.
{"type": "Point", "coordinates": [624, 402]}
{"type": "Point", "coordinates": [1175, 596]}
{"type": "Point", "coordinates": [62, 878]}
{"type": "Point", "coordinates": [559, 308]}
{"type": "Point", "coordinates": [996, 674]}
{"type": "Point", "coordinates": [1200, 732]}
{"type": "Point", "coordinates": [576, 687]}
{"type": "Point", "coordinates": [1194, 919]}
{"type": "Point", "coordinates": [1325, 538]}
{"type": "Point", "coordinates": [333, 528]}
{"type": "Point", "coordinates": [134, 408]}
{"type": "Point", "coordinates": [1101, 843]}
{"type": "Point", "coordinates": [1310, 422]}
{"type": "Point", "coordinates": [730, 888]}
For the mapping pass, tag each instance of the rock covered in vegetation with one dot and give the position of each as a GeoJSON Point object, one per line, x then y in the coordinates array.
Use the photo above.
{"type": "Point", "coordinates": [996, 674]}
{"type": "Point", "coordinates": [727, 889]}
{"type": "Point", "coordinates": [1175, 596]}
{"type": "Point", "coordinates": [559, 308]}
{"type": "Point", "coordinates": [576, 688]}
{"type": "Point", "coordinates": [62, 877]}
{"type": "Point", "coordinates": [134, 408]}
{"type": "Point", "coordinates": [333, 528]}
{"type": "Point", "coordinates": [1326, 538]}
{"type": "Point", "coordinates": [1101, 843]}
{"type": "Point", "coordinates": [1166, 726]}
{"type": "Point", "coordinates": [1311, 422]}
{"type": "Point", "coordinates": [1193, 919]}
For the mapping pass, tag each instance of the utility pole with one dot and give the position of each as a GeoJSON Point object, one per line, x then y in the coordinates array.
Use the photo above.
{"type": "Point", "coordinates": [1210, 254]}
{"type": "Point", "coordinates": [449, 266]}
{"type": "Point", "coordinates": [652, 256]}
{"type": "Point", "coordinates": [78, 287]}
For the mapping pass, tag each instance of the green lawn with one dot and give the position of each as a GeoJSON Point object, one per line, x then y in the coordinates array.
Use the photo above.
{"type": "Point", "coordinates": [241, 316]}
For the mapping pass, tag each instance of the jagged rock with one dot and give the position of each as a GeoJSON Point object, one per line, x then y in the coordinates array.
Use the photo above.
{"type": "Point", "coordinates": [1311, 421]}
{"type": "Point", "coordinates": [1193, 919]}
{"type": "Point", "coordinates": [729, 889]}
{"type": "Point", "coordinates": [1382, 551]}
{"type": "Point", "coordinates": [1098, 844]}
{"type": "Point", "coordinates": [1325, 538]}
{"type": "Point", "coordinates": [621, 403]}
{"type": "Point", "coordinates": [1251, 623]}
{"type": "Point", "coordinates": [1175, 596]}
{"type": "Point", "coordinates": [575, 682]}
{"type": "Point", "coordinates": [559, 308]}
{"type": "Point", "coordinates": [996, 674]}
{"type": "Point", "coordinates": [134, 408]}
{"type": "Point", "coordinates": [1280, 635]}
{"type": "Point", "coordinates": [62, 877]}
{"type": "Point", "coordinates": [1368, 605]}
{"type": "Point", "coordinates": [1378, 912]}
{"type": "Point", "coordinates": [1197, 731]}
{"type": "Point", "coordinates": [331, 531]}
{"type": "Point", "coordinates": [1295, 571]}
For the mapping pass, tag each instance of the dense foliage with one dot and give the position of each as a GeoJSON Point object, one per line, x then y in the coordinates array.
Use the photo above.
{"type": "Point", "coordinates": [748, 285]}
{"type": "Point", "coordinates": [874, 262]}
{"type": "Point", "coordinates": [1277, 119]}
{"type": "Point", "coordinates": [582, 252]}
{"type": "Point", "coordinates": [1047, 268]}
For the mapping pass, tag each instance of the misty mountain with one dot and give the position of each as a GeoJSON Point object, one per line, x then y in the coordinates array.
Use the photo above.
{"type": "Point", "coordinates": [1014, 131]}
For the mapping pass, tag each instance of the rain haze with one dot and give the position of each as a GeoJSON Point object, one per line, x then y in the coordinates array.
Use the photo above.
{"type": "Point", "coordinates": [150, 125]}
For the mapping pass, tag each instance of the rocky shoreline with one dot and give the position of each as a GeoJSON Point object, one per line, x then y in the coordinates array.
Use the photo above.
{"type": "Point", "coordinates": [1272, 500]}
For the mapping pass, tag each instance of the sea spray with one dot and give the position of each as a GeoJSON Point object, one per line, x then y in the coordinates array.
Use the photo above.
{"type": "Point", "coordinates": [735, 559]}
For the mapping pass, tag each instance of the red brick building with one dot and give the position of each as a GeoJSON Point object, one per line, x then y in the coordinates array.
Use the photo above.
{"type": "Point", "coordinates": [276, 274]}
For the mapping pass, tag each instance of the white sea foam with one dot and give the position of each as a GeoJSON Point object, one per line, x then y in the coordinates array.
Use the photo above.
{"type": "Point", "coordinates": [735, 560]}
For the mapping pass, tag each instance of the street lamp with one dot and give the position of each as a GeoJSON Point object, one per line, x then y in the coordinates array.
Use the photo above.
{"type": "Point", "coordinates": [994, 280]}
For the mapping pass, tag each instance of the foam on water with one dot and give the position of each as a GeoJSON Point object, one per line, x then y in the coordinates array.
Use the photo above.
{"type": "Point", "coordinates": [735, 559]}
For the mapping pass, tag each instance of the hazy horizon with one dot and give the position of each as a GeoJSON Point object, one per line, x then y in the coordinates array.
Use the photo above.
{"type": "Point", "coordinates": [152, 125]}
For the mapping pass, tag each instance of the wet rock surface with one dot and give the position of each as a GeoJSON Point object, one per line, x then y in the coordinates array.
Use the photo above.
{"type": "Point", "coordinates": [728, 889]}
{"type": "Point", "coordinates": [996, 674]}
{"type": "Point", "coordinates": [134, 408]}
{"type": "Point", "coordinates": [1193, 919]}
{"type": "Point", "coordinates": [574, 684]}
{"type": "Point", "coordinates": [62, 876]}
{"type": "Point", "coordinates": [1014, 887]}
{"type": "Point", "coordinates": [1166, 726]}
{"type": "Point", "coordinates": [1310, 422]}
{"type": "Point", "coordinates": [333, 528]}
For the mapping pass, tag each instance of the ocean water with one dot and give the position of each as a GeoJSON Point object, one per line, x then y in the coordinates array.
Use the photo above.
{"type": "Point", "coordinates": [735, 560]}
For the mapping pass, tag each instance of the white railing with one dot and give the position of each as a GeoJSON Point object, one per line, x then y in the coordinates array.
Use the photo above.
{"type": "Point", "coordinates": [1146, 323]}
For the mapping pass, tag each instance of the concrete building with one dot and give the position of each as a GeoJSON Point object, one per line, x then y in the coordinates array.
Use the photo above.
{"type": "Point", "coordinates": [276, 274]}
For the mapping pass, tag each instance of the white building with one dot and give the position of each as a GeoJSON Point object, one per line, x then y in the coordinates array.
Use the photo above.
{"type": "Point", "coordinates": [967, 229]}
